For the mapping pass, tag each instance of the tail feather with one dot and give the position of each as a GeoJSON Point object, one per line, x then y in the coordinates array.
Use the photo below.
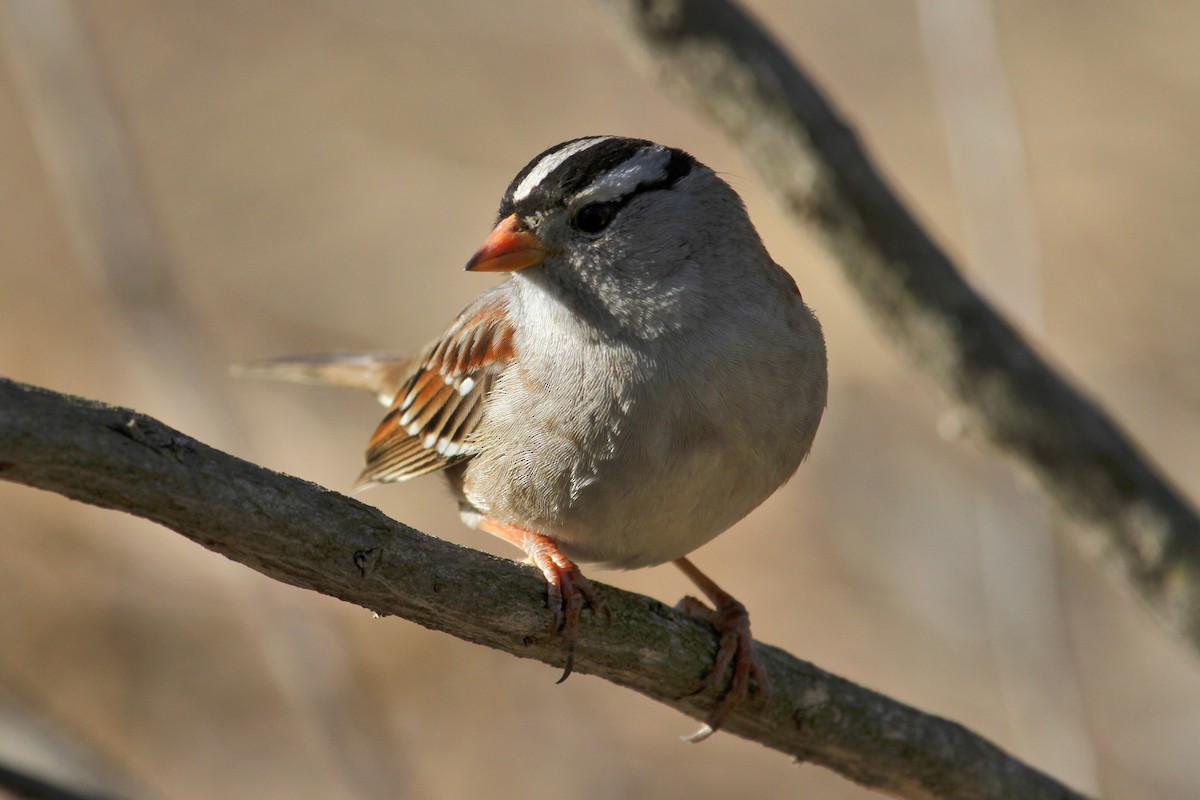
{"type": "Point", "coordinates": [380, 373]}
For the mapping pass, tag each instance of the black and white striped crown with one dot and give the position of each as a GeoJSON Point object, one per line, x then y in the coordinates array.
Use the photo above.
{"type": "Point", "coordinates": [607, 169]}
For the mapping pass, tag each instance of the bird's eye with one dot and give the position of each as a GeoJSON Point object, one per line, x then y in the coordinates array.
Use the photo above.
{"type": "Point", "coordinates": [594, 217]}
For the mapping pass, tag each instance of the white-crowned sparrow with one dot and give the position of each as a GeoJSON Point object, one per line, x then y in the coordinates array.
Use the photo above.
{"type": "Point", "coordinates": [645, 377]}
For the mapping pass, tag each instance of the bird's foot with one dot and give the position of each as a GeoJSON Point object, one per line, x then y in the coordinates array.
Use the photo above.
{"type": "Point", "coordinates": [566, 591]}
{"type": "Point", "coordinates": [736, 647]}
{"type": "Point", "coordinates": [566, 587]}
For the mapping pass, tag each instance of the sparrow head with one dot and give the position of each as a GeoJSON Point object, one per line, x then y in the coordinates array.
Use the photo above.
{"type": "Point", "coordinates": [623, 228]}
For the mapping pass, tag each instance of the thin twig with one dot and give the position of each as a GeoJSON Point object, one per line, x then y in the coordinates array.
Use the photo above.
{"type": "Point", "coordinates": [317, 539]}
{"type": "Point", "coordinates": [1114, 499]}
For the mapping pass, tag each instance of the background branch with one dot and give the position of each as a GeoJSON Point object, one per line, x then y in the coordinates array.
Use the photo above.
{"type": "Point", "coordinates": [1113, 498]}
{"type": "Point", "coordinates": [317, 539]}
{"type": "Point", "coordinates": [20, 783]}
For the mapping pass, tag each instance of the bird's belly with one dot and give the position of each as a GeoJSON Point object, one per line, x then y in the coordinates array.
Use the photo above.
{"type": "Point", "coordinates": [657, 513]}
{"type": "Point", "coordinates": [653, 496]}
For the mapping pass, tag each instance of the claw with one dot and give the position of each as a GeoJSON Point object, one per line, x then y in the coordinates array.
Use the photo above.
{"type": "Point", "coordinates": [736, 648]}
{"type": "Point", "coordinates": [566, 588]}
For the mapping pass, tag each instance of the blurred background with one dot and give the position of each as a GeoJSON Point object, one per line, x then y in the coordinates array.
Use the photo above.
{"type": "Point", "coordinates": [185, 185]}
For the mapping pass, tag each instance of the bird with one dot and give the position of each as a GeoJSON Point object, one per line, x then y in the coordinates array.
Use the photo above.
{"type": "Point", "coordinates": [643, 378]}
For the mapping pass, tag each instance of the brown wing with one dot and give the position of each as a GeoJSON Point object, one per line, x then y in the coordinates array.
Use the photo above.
{"type": "Point", "coordinates": [428, 426]}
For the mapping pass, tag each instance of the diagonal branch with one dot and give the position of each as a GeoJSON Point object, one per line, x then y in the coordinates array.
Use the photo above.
{"type": "Point", "coordinates": [17, 782]}
{"type": "Point", "coordinates": [311, 537]}
{"type": "Point", "coordinates": [1117, 503]}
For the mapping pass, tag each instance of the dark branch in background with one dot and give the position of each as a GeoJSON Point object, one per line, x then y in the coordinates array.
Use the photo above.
{"type": "Point", "coordinates": [1108, 491]}
{"type": "Point", "coordinates": [310, 537]}
{"type": "Point", "coordinates": [18, 783]}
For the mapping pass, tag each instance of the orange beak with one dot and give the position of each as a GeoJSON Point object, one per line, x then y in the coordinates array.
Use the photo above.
{"type": "Point", "coordinates": [507, 249]}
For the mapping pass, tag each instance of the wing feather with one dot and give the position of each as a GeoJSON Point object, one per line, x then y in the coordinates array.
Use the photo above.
{"type": "Point", "coordinates": [429, 424]}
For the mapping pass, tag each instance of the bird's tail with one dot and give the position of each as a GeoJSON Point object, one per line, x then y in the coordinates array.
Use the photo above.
{"type": "Point", "coordinates": [379, 373]}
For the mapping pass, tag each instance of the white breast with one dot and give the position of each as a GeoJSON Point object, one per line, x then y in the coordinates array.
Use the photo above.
{"type": "Point", "coordinates": [632, 457]}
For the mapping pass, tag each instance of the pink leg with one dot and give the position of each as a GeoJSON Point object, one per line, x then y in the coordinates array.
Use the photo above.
{"type": "Point", "coordinates": [566, 588]}
{"type": "Point", "coordinates": [732, 622]}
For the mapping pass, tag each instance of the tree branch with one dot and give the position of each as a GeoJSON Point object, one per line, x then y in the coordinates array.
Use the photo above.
{"type": "Point", "coordinates": [19, 783]}
{"type": "Point", "coordinates": [311, 537]}
{"type": "Point", "coordinates": [1118, 505]}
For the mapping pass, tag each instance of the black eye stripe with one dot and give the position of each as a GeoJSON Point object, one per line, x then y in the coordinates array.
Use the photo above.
{"type": "Point", "coordinates": [581, 169]}
{"type": "Point", "coordinates": [528, 168]}
{"type": "Point", "coordinates": [576, 173]}
{"type": "Point", "coordinates": [679, 165]}
{"type": "Point", "coordinates": [569, 177]}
